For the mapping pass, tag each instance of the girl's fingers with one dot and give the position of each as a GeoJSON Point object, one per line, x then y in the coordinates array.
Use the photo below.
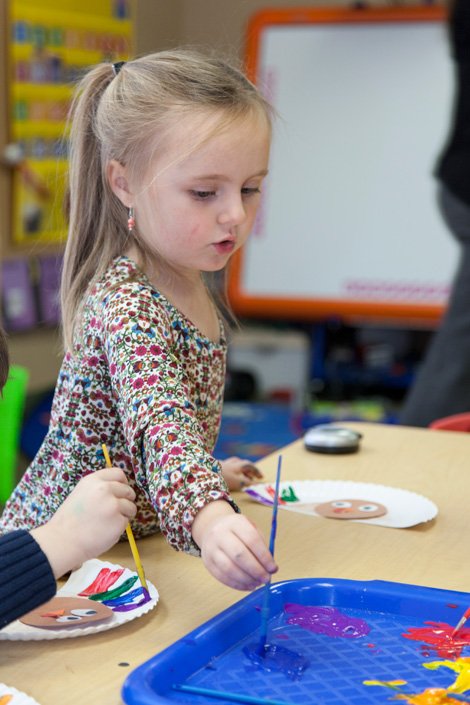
{"type": "Point", "coordinates": [231, 573]}
{"type": "Point", "coordinates": [240, 553]}
{"type": "Point", "coordinates": [127, 508]}
{"type": "Point", "coordinates": [251, 471]}
{"type": "Point", "coordinates": [250, 536]}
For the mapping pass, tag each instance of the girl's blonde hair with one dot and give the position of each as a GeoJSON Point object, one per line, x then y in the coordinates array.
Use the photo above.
{"type": "Point", "coordinates": [125, 117]}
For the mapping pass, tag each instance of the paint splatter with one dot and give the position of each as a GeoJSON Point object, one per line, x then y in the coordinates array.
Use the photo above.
{"type": "Point", "coordinates": [288, 495]}
{"type": "Point", "coordinates": [434, 696]}
{"type": "Point", "coordinates": [277, 658]}
{"type": "Point", "coordinates": [326, 620]}
{"type": "Point", "coordinates": [438, 637]}
{"type": "Point", "coordinates": [461, 667]}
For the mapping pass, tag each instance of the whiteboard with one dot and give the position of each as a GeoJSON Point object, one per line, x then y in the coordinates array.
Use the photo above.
{"type": "Point", "coordinates": [348, 222]}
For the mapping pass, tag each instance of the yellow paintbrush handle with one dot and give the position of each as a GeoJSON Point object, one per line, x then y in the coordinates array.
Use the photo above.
{"type": "Point", "coordinates": [130, 535]}
{"type": "Point", "coordinates": [135, 553]}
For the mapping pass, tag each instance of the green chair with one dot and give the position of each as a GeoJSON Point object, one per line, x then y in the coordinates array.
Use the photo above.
{"type": "Point", "coordinates": [11, 417]}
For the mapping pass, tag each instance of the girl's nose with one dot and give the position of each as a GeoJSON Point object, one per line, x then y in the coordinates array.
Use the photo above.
{"type": "Point", "coordinates": [233, 212]}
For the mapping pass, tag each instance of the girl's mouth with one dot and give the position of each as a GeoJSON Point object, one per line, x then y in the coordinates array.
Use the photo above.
{"type": "Point", "coordinates": [225, 247]}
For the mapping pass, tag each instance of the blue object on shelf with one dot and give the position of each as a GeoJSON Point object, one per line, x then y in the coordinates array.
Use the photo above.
{"type": "Point", "coordinates": [35, 426]}
{"type": "Point", "coordinates": [211, 656]}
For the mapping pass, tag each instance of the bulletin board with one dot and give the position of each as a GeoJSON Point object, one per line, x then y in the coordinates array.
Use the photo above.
{"type": "Point", "coordinates": [51, 46]}
{"type": "Point", "coordinates": [348, 223]}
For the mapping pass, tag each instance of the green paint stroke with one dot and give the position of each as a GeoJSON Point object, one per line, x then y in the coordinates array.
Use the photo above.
{"type": "Point", "coordinates": [117, 592]}
{"type": "Point", "coordinates": [288, 495]}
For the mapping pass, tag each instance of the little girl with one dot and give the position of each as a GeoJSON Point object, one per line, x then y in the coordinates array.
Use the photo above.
{"type": "Point", "coordinates": [168, 154]}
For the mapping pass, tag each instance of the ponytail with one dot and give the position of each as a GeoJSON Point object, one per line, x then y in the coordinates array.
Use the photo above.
{"type": "Point", "coordinates": [97, 231]}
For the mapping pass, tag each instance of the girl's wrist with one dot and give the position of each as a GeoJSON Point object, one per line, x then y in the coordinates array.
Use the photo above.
{"type": "Point", "coordinates": [206, 516]}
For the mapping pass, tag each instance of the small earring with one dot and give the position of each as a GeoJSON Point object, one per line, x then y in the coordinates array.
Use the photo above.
{"type": "Point", "coordinates": [130, 220]}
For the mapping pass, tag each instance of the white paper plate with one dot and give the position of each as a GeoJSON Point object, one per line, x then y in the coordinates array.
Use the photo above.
{"type": "Point", "coordinates": [18, 697]}
{"type": "Point", "coordinates": [404, 508]}
{"type": "Point", "coordinates": [78, 581]}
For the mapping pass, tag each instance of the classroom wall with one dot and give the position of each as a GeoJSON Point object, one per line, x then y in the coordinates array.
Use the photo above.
{"type": "Point", "coordinates": [212, 23]}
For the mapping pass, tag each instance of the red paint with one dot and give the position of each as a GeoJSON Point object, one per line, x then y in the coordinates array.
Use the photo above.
{"type": "Point", "coordinates": [371, 646]}
{"type": "Point", "coordinates": [438, 636]}
{"type": "Point", "coordinates": [454, 606]}
{"type": "Point", "coordinates": [102, 582]}
{"type": "Point", "coordinates": [271, 491]}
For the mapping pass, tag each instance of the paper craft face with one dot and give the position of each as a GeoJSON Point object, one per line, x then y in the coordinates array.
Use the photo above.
{"type": "Point", "coordinates": [65, 612]}
{"type": "Point", "coordinates": [350, 509]}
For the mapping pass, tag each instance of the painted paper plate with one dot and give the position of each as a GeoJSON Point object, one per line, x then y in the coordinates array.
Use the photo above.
{"type": "Point", "coordinates": [16, 697]}
{"type": "Point", "coordinates": [403, 508]}
{"type": "Point", "coordinates": [101, 582]}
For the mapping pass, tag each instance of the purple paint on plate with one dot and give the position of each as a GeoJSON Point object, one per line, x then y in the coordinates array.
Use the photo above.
{"type": "Point", "coordinates": [134, 605]}
{"type": "Point", "coordinates": [325, 620]}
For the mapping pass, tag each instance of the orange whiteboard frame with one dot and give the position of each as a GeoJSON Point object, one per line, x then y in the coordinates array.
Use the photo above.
{"type": "Point", "coordinates": [274, 307]}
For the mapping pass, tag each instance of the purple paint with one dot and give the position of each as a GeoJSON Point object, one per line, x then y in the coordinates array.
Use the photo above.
{"type": "Point", "coordinates": [326, 620]}
{"type": "Point", "coordinates": [134, 605]}
{"type": "Point", "coordinates": [277, 658]}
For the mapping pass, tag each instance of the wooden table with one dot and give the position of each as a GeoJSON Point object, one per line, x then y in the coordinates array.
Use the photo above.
{"type": "Point", "coordinates": [433, 463]}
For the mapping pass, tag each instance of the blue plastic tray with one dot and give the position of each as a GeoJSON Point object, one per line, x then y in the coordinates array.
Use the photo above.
{"type": "Point", "coordinates": [211, 656]}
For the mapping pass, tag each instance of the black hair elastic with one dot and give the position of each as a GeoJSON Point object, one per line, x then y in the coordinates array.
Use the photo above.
{"type": "Point", "coordinates": [117, 67]}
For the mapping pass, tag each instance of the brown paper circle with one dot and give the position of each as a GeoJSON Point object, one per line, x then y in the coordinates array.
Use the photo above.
{"type": "Point", "coordinates": [35, 618]}
{"type": "Point", "coordinates": [350, 509]}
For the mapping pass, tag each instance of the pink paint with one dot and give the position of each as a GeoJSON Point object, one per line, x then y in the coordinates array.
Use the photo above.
{"type": "Point", "coordinates": [438, 636]}
{"type": "Point", "coordinates": [326, 620]}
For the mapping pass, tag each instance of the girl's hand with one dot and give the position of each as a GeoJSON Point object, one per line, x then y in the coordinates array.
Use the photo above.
{"type": "Point", "coordinates": [239, 473]}
{"type": "Point", "coordinates": [232, 548]}
{"type": "Point", "coordinates": [89, 522]}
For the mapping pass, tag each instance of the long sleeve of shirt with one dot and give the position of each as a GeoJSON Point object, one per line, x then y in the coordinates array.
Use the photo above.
{"type": "Point", "coordinates": [27, 577]}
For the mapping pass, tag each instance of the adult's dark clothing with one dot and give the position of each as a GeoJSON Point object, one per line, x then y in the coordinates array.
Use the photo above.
{"type": "Point", "coordinates": [27, 577]}
{"type": "Point", "coordinates": [442, 386]}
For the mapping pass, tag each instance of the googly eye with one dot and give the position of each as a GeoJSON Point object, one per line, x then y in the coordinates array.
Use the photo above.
{"type": "Point", "coordinates": [341, 504]}
{"type": "Point", "coordinates": [368, 508]}
{"type": "Point", "coordinates": [68, 618]}
{"type": "Point", "coordinates": [83, 613]}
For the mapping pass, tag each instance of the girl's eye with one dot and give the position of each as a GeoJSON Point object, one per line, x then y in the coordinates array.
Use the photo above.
{"type": "Point", "coordinates": [341, 504]}
{"type": "Point", "coordinates": [250, 191]}
{"type": "Point", "coordinates": [202, 195]}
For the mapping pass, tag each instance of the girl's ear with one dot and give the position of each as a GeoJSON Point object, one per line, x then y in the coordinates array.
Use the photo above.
{"type": "Point", "coordinates": [119, 183]}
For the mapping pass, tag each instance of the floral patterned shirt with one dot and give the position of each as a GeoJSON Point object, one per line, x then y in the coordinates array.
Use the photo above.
{"type": "Point", "coordinates": [144, 381]}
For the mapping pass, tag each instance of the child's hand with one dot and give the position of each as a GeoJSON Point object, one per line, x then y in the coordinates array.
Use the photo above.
{"type": "Point", "coordinates": [239, 473]}
{"type": "Point", "coordinates": [89, 522]}
{"type": "Point", "coordinates": [232, 548]}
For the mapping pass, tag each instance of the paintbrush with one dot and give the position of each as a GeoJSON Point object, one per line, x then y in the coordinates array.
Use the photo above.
{"type": "Point", "coordinates": [461, 622]}
{"type": "Point", "coordinates": [130, 537]}
{"type": "Point", "coordinates": [221, 695]}
{"type": "Point", "coordinates": [267, 588]}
